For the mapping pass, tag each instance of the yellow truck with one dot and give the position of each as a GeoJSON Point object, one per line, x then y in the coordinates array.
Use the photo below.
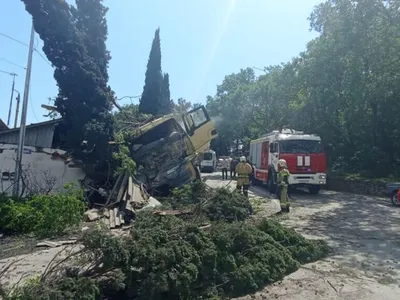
{"type": "Point", "coordinates": [165, 149]}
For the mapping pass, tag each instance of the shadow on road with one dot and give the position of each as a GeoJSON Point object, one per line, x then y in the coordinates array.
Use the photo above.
{"type": "Point", "coordinates": [364, 230]}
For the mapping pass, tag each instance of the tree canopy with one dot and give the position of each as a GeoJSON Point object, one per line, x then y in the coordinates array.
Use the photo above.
{"type": "Point", "coordinates": [156, 99]}
{"type": "Point", "coordinates": [74, 40]}
{"type": "Point", "coordinates": [344, 87]}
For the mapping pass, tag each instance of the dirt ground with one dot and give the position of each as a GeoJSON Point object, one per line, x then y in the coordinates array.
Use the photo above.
{"type": "Point", "coordinates": [363, 231]}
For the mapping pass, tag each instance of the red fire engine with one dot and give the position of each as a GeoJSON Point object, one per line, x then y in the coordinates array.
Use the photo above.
{"type": "Point", "coordinates": [303, 153]}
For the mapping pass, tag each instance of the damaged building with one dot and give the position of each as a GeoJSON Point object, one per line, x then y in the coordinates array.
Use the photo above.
{"type": "Point", "coordinates": [44, 166]}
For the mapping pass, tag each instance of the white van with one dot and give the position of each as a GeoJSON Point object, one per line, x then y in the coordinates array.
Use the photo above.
{"type": "Point", "coordinates": [209, 162]}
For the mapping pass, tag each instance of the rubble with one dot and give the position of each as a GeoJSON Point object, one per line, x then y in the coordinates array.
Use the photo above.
{"type": "Point", "coordinates": [126, 198]}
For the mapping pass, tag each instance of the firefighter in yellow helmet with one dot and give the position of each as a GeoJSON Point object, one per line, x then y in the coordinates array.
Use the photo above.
{"type": "Point", "coordinates": [283, 185]}
{"type": "Point", "coordinates": [243, 171]}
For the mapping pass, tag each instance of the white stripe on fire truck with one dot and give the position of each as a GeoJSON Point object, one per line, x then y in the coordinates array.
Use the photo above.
{"type": "Point", "coordinates": [307, 161]}
{"type": "Point", "coordinates": [300, 161]}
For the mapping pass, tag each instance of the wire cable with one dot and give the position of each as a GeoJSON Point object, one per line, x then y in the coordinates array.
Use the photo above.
{"type": "Point", "coordinates": [15, 40]}
{"type": "Point", "coordinates": [11, 63]}
{"type": "Point", "coordinates": [22, 43]}
{"type": "Point", "coordinates": [9, 73]}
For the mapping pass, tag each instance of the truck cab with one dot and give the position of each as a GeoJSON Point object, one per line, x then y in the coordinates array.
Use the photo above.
{"type": "Point", "coordinates": [165, 150]}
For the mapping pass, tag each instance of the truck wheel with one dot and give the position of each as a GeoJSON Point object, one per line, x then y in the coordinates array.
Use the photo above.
{"type": "Point", "coordinates": [314, 190]}
{"type": "Point", "coordinates": [394, 199]}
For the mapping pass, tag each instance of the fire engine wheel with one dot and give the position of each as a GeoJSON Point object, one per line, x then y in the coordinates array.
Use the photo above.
{"type": "Point", "coordinates": [395, 200]}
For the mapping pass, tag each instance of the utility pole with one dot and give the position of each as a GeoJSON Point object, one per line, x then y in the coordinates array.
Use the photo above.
{"type": "Point", "coordinates": [20, 151]}
{"type": "Point", "coordinates": [17, 109]}
{"type": "Point", "coordinates": [11, 99]}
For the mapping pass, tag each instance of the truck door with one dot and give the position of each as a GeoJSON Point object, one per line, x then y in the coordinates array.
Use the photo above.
{"type": "Point", "coordinates": [264, 155]}
{"type": "Point", "coordinates": [274, 152]}
{"type": "Point", "coordinates": [199, 127]}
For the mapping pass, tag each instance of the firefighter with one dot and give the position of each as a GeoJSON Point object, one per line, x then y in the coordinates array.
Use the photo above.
{"type": "Point", "coordinates": [243, 171]}
{"type": "Point", "coordinates": [283, 185]}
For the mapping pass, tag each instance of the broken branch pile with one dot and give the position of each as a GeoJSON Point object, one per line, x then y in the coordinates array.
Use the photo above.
{"type": "Point", "coordinates": [175, 257]}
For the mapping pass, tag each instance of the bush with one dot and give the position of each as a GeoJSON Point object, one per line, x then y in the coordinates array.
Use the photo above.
{"type": "Point", "coordinates": [45, 215]}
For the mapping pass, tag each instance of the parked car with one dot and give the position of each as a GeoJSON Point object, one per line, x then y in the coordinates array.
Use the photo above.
{"type": "Point", "coordinates": [393, 192]}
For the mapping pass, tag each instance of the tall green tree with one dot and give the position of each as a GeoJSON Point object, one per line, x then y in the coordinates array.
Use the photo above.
{"type": "Point", "coordinates": [155, 98]}
{"type": "Point", "coordinates": [344, 87]}
{"type": "Point", "coordinates": [74, 42]}
{"type": "Point", "coordinates": [166, 105]}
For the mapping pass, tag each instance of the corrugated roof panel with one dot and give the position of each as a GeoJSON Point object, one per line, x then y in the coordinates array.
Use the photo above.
{"type": "Point", "coordinates": [38, 136]}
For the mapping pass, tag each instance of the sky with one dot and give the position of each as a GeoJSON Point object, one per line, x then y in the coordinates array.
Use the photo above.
{"type": "Point", "coordinates": [202, 41]}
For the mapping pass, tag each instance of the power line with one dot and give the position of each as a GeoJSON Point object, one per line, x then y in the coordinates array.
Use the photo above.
{"type": "Point", "coordinates": [11, 63]}
{"type": "Point", "coordinates": [22, 43]}
{"type": "Point", "coordinates": [9, 73]}
{"type": "Point", "coordinates": [15, 40]}
{"type": "Point", "coordinates": [46, 60]}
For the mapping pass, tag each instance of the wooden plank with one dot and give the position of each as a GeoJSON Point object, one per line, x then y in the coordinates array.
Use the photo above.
{"type": "Point", "coordinates": [112, 218]}
{"type": "Point", "coordinates": [122, 187]}
{"type": "Point", "coordinates": [122, 217]}
{"type": "Point", "coordinates": [113, 189]}
{"type": "Point", "coordinates": [137, 194]}
{"type": "Point", "coordinates": [130, 188]}
{"type": "Point", "coordinates": [117, 217]}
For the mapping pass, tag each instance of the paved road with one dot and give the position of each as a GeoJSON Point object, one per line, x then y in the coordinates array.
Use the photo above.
{"type": "Point", "coordinates": [363, 231]}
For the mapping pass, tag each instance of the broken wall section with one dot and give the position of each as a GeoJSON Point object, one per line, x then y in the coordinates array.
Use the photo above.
{"type": "Point", "coordinates": [44, 170]}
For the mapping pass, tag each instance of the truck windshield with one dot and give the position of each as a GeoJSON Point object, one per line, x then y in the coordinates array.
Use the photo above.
{"type": "Point", "coordinates": [300, 146]}
{"type": "Point", "coordinates": [207, 156]}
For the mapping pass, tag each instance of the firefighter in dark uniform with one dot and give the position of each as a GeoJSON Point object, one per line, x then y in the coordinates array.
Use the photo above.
{"type": "Point", "coordinates": [283, 185]}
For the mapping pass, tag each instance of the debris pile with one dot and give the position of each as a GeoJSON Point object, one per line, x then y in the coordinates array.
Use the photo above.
{"type": "Point", "coordinates": [126, 198]}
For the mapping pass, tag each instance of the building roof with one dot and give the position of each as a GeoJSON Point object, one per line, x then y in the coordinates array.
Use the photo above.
{"type": "Point", "coordinates": [3, 126]}
{"type": "Point", "coordinates": [36, 135]}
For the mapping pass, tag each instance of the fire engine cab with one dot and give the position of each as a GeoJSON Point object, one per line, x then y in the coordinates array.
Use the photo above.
{"type": "Point", "coordinates": [303, 153]}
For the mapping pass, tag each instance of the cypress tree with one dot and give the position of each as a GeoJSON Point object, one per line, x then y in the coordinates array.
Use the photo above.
{"type": "Point", "coordinates": [166, 106]}
{"type": "Point", "coordinates": [153, 88]}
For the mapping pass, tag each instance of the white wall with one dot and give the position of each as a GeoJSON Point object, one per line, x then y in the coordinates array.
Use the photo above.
{"type": "Point", "coordinates": [41, 170]}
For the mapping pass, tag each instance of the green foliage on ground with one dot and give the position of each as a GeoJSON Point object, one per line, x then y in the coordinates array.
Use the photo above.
{"type": "Point", "coordinates": [343, 87]}
{"type": "Point", "coordinates": [44, 215]}
{"type": "Point", "coordinates": [62, 288]}
{"type": "Point", "coordinates": [219, 204]}
{"type": "Point", "coordinates": [225, 205]}
{"type": "Point", "coordinates": [170, 257]}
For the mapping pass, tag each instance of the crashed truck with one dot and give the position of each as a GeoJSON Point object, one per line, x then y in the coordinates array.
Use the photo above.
{"type": "Point", "coordinates": [166, 149]}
